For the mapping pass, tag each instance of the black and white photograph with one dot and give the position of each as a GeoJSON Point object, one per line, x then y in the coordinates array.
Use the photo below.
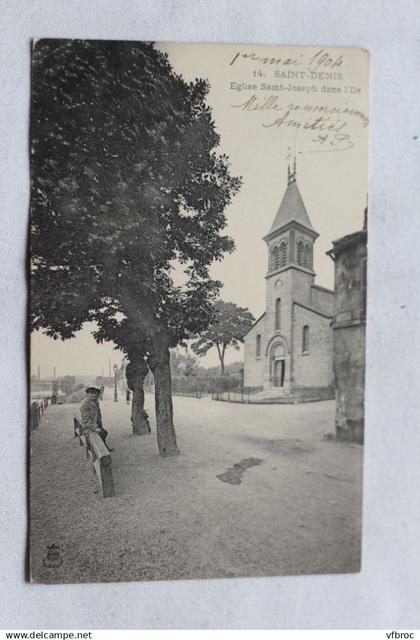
{"type": "Point", "coordinates": [198, 287]}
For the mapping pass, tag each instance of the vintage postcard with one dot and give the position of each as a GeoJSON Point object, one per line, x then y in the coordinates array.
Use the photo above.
{"type": "Point", "coordinates": [198, 310]}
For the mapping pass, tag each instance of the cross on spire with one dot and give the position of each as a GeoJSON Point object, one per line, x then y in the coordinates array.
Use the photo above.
{"type": "Point", "coordinates": [291, 169]}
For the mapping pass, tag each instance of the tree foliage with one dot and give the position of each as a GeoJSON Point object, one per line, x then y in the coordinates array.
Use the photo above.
{"type": "Point", "coordinates": [228, 328]}
{"type": "Point", "coordinates": [125, 182]}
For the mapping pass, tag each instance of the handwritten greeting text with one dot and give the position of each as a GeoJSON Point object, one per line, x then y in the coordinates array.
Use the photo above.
{"type": "Point", "coordinates": [329, 124]}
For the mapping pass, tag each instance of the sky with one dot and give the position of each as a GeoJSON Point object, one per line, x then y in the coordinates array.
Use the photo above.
{"type": "Point", "coordinates": [268, 104]}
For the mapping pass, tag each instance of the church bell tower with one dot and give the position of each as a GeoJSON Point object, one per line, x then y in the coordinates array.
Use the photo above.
{"type": "Point", "coordinates": [291, 237]}
{"type": "Point", "coordinates": [289, 279]}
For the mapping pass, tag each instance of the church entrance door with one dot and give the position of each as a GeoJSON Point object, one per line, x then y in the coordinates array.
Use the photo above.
{"type": "Point", "coordinates": [278, 378]}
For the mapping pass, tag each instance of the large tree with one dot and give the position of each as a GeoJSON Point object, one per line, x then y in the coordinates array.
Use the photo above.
{"type": "Point", "coordinates": [228, 328]}
{"type": "Point", "coordinates": [125, 182]}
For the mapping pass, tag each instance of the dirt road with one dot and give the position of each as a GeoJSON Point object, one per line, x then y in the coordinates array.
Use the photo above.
{"type": "Point", "coordinates": [293, 506]}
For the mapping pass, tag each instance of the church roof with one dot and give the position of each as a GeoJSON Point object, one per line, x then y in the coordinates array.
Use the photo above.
{"type": "Point", "coordinates": [291, 209]}
{"type": "Point", "coordinates": [255, 324]}
{"type": "Point", "coordinates": [342, 244]}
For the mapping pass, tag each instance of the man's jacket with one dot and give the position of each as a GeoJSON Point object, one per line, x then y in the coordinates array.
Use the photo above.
{"type": "Point", "coordinates": [91, 414]}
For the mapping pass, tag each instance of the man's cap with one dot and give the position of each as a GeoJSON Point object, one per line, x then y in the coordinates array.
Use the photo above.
{"type": "Point", "coordinates": [93, 388]}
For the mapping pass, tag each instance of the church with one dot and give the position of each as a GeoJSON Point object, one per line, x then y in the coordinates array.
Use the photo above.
{"type": "Point", "coordinates": [288, 350]}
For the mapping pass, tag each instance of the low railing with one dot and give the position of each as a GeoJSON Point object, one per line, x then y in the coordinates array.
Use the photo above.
{"type": "Point", "coordinates": [188, 394]}
{"type": "Point", "coordinates": [196, 386]}
{"type": "Point", "coordinates": [276, 395]}
{"type": "Point", "coordinates": [98, 454]}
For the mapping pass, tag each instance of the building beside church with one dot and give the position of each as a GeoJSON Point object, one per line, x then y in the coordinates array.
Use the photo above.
{"type": "Point", "coordinates": [289, 349]}
{"type": "Point", "coordinates": [349, 328]}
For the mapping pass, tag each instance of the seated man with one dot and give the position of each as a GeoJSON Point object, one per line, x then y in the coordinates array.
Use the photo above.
{"type": "Point", "coordinates": [91, 414]}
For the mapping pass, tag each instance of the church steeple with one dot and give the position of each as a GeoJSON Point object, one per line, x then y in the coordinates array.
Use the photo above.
{"type": "Point", "coordinates": [291, 237]}
{"type": "Point", "coordinates": [292, 208]}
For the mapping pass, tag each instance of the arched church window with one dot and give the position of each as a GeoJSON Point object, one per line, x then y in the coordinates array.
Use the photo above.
{"type": "Point", "coordinates": [305, 339]}
{"type": "Point", "coordinates": [258, 346]}
{"type": "Point", "coordinates": [307, 256]}
{"type": "Point", "coordinates": [300, 252]}
{"type": "Point", "coordinates": [283, 253]}
{"type": "Point", "coordinates": [275, 260]}
{"type": "Point", "coordinates": [277, 315]}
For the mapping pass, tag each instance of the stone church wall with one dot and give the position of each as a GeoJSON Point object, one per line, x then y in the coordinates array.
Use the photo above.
{"type": "Point", "coordinates": [253, 366]}
{"type": "Point", "coordinates": [313, 369]}
{"type": "Point", "coordinates": [322, 300]}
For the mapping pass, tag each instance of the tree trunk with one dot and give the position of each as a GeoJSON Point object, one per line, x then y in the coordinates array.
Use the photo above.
{"type": "Point", "coordinates": [165, 431]}
{"type": "Point", "coordinates": [221, 358]}
{"type": "Point", "coordinates": [139, 417]}
{"type": "Point", "coordinates": [136, 372]}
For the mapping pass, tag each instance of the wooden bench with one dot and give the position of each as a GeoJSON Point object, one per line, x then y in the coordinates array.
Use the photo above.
{"type": "Point", "coordinates": [99, 455]}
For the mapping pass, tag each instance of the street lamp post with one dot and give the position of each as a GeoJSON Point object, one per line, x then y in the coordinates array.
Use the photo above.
{"type": "Point", "coordinates": [115, 383]}
{"type": "Point", "coordinates": [241, 371]}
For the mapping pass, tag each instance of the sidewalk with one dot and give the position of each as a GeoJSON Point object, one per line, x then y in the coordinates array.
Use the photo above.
{"type": "Point", "coordinates": [296, 510]}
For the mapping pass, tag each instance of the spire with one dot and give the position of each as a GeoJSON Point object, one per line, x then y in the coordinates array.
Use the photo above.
{"type": "Point", "coordinates": [291, 173]}
{"type": "Point", "coordinates": [292, 208]}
